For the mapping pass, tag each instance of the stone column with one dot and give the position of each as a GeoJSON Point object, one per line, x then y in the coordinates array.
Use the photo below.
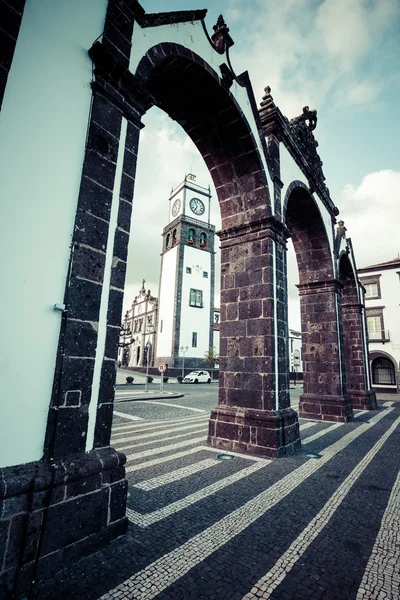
{"type": "Point", "coordinates": [324, 394]}
{"type": "Point", "coordinates": [253, 416]}
{"type": "Point", "coordinates": [358, 389]}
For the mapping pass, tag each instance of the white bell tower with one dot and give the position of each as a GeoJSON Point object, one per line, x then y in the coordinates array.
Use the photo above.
{"type": "Point", "coordinates": [187, 278]}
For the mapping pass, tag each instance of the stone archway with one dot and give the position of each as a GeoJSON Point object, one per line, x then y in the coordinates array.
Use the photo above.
{"type": "Point", "coordinates": [357, 372]}
{"type": "Point", "coordinates": [252, 415]}
{"type": "Point", "coordinates": [324, 394]}
{"type": "Point", "coordinates": [80, 478]}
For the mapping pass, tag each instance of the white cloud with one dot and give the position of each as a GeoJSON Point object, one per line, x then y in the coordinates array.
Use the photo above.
{"type": "Point", "coordinates": [372, 216]}
{"type": "Point", "coordinates": [363, 92]}
{"type": "Point", "coordinates": [307, 53]}
{"type": "Point", "coordinates": [344, 30]}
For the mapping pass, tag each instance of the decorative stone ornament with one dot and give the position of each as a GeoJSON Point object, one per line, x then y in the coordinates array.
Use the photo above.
{"type": "Point", "coordinates": [221, 38]}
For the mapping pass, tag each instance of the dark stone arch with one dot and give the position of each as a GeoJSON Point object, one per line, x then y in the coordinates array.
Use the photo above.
{"type": "Point", "coordinates": [324, 394]}
{"type": "Point", "coordinates": [357, 380]}
{"type": "Point", "coordinates": [292, 187]}
{"type": "Point", "coordinates": [310, 239]}
{"type": "Point", "coordinates": [189, 90]}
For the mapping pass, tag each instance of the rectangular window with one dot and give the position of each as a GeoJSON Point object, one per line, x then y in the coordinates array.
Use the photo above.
{"type": "Point", "coordinates": [194, 339]}
{"type": "Point", "coordinates": [188, 270]}
{"type": "Point", "coordinates": [205, 274]}
{"type": "Point", "coordinates": [374, 325]}
{"type": "Point", "coordinates": [372, 286]}
{"type": "Point", "coordinates": [371, 290]}
{"type": "Point", "coordinates": [196, 298]}
{"type": "Point", "coordinates": [161, 324]}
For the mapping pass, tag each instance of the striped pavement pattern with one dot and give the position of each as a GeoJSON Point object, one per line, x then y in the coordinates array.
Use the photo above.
{"type": "Point", "coordinates": [161, 464]}
{"type": "Point", "coordinates": [383, 571]}
{"type": "Point", "coordinates": [281, 568]}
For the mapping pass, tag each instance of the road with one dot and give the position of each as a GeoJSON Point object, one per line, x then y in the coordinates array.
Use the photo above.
{"type": "Point", "coordinates": [195, 396]}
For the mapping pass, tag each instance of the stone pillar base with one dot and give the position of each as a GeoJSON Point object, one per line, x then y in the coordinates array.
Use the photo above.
{"type": "Point", "coordinates": [63, 511]}
{"type": "Point", "coordinates": [363, 400]}
{"type": "Point", "coordinates": [325, 408]}
{"type": "Point", "coordinates": [261, 432]}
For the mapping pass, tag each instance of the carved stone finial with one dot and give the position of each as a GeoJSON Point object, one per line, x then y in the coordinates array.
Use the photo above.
{"type": "Point", "coordinates": [267, 103]}
{"type": "Point", "coordinates": [309, 117]}
{"type": "Point", "coordinates": [143, 289]}
{"type": "Point", "coordinates": [301, 129]}
{"type": "Point", "coordinates": [267, 99]}
{"type": "Point", "coordinates": [220, 25]}
{"type": "Point", "coordinates": [341, 229]}
{"type": "Point", "coordinates": [221, 37]}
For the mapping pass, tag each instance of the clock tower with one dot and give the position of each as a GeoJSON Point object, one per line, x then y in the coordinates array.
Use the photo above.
{"type": "Point", "coordinates": [186, 293]}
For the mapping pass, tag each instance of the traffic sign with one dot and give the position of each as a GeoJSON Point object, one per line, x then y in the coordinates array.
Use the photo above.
{"type": "Point", "coordinates": [162, 368]}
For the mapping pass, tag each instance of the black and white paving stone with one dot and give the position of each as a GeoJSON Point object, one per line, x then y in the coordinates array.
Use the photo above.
{"type": "Point", "coordinates": [248, 528]}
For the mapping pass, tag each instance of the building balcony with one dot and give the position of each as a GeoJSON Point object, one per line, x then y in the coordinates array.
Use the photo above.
{"type": "Point", "coordinates": [379, 336]}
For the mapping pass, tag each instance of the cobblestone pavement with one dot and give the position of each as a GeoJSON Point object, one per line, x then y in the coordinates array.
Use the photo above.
{"type": "Point", "coordinates": [248, 528]}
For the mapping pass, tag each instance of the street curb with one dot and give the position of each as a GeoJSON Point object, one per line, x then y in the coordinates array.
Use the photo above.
{"type": "Point", "coordinates": [140, 398]}
{"type": "Point", "coordinates": [128, 385]}
{"type": "Point", "coordinates": [125, 386]}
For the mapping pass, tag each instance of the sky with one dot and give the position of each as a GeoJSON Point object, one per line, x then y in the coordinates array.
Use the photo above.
{"type": "Point", "coordinates": [341, 57]}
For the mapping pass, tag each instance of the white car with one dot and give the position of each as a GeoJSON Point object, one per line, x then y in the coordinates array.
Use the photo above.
{"type": "Point", "coordinates": [198, 377]}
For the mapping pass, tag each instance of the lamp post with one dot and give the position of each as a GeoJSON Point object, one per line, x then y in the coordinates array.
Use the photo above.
{"type": "Point", "coordinates": [183, 351]}
{"type": "Point", "coordinates": [149, 330]}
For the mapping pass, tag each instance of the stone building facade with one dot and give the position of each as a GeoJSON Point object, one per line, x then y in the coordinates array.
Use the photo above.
{"type": "Point", "coordinates": [57, 465]}
{"type": "Point", "coordinates": [381, 283]}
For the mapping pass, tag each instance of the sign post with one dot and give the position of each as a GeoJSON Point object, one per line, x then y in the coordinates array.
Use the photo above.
{"type": "Point", "coordinates": [161, 369]}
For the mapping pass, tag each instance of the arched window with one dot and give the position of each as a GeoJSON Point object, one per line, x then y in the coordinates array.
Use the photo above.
{"type": "Point", "coordinates": [168, 241]}
{"type": "Point", "coordinates": [174, 237]}
{"type": "Point", "coordinates": [191, 236]}
{"type": "Point", "coordinates": [383, 371]}
{"type": "Point", "coordinates": [203, 240]}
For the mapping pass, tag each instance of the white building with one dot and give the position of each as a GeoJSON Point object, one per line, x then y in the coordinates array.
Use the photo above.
{"type": "Point", "coordinates": [138, 333]}
{"type": "Point", "coordinates": [186, 294]}
{"type": "Point", "coordinates": [295, 343]}
{"type": "Point", "coordinates": [381, 283]}
{"type": "Point", "coordinates": [181, 325]}
{"type": "Point", "coordinates": [216, 328]}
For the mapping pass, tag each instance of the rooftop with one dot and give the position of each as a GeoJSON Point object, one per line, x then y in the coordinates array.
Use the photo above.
{"type": "Point", "coordinates": [390, 264]}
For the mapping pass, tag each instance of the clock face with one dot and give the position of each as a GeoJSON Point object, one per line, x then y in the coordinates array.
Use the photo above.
{"type": "Point", "coordinates": [176, 207]}
{"type": "Point", "coordinates": [197, 206]}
